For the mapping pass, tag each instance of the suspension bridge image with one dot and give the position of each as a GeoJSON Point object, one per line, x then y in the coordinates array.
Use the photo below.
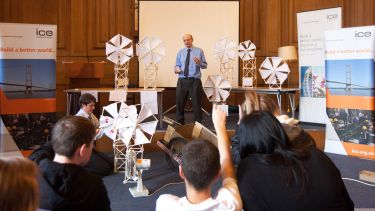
{"type": "Point", "coordinates": [19, 81]}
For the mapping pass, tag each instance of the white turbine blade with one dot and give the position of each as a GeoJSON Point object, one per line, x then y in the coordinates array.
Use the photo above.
{"type": "Point", "coordinates": [224, 84]}
{"type": "Point", "coordinates": [209, 82]}
{"type": "Point", "coordinates": [252, 47]}
{"type": "Point", "coordinates": [122, 112]}
{"type": "Point", "coordinates": [224, 94]}
{"type": "Point", "coordinates": [215, 97]}
{"type": "Point", "coordinates": [230, 45]}
{"type": "Point", "coordinates": [283, 68]}
{"type": "Point", "coordinates": [251, 54]}
{"type": "Point", "coordinates": [231, 54]}
{"type": "Point", "coordinates": [125, 123]}
{"type": "Point", "coordinates": [216, 79]}
{"type": "Point", "coordinates": [267, 64]}
{"type": "Point", "coordinates": [113, 57]}
{"type": "Point", "coordinates": [246, 43]}
{"type": "Point", "coordinates": [209, 91]}
{"type": "Point", "coordinates": [144, 113]}
{"type": "Point", "coordinates": [220, 46]}
{"type": "Point", "coordinates": [140, 138]}
{"type": "Point", "coordinates": [109, 48]}
{"type": "Point", "coordinates": [105, 121]}
{"type": "Point", "coordinates": [131, 112]}
{"type": "Point", "coordinates": [156, 58]}
{"type": "Point", "coordinates": [126, 135]}
{"type": "Point", "coordinates": [112, 110]}
{"type": "Point", "coordinates": [281, 76]}
{"type": "Point", "coordinates": [116, 40]}
{"type": "Point", "coordinates": [125, 41]}
{"type": "Point", "coordinates": [264, 73]}
{"type": "Point", "coordinates": [110, 133]}
{"type": "Point", "coordinates": [128, 51]}
{"type": "Point", "coordinates": [154, 43]}
{"type": "Point", "coordinates": [276, 62]}
{"type": "Point", "coordinates": [123, 59]}
{"type": "Point", "coordinates": [149, 127]}
{"type": "Point", "coordinates": [271, 79]}
{"type": "Point", "coordinates": [147, 59]}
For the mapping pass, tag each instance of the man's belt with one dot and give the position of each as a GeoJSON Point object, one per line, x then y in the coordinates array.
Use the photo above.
{"type": "Point", "coordinates": [189, 78]}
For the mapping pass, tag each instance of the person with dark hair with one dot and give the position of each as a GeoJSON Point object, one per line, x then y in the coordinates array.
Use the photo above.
{"type": "Point", "coordinates": [87, 104]}
{"type": "Point", "coordinates": [276, 174]}
{"type": "Point", "coordinates": [64, 184]}
{"type": "Point", "coordinates": [255, 102]}
{"type": "Point", "coordinates": [200, 168]}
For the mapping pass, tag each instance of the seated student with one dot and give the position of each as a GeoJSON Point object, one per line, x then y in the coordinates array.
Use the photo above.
{"type": "Point", "coordinates": [99, 163]}
{"type": "Point", "coordinates": [87, 104]}
{"type": "Point", "coordinates": [276, 174]}
{"type": "Point", "coordinates": [200, 168]}
{"type": "Point", "coordinates": [255, 102]}
{"type": "Point", "coordinates": [18, 185]}
{"type": "Point", "coordinates": [64, 183]}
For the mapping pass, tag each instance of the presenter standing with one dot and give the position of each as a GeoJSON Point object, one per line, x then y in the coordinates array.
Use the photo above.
{"type": "Point", "coordinates": [189, 62]}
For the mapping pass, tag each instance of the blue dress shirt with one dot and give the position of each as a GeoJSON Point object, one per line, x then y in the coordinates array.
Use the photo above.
{"type": "Point", "coordinates": [194, 69]}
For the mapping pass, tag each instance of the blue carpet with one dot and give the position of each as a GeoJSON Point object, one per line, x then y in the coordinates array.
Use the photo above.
{"type": "Point", "coordinates": [160, 174]}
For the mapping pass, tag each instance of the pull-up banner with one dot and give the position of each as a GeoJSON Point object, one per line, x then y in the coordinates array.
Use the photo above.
{"type": "Point", "coordinates": [27, 81]}
{"type": "Point", "coordinates": [311, 26]}
{"type": "Point", "coordinates": [350, 73]}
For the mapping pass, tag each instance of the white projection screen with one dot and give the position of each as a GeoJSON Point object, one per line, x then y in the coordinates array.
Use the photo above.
{"type": "Point", "coordinates": [207, 21]}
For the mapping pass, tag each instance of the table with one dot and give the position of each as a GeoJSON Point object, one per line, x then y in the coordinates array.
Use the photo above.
{"type": "Point", "coordinates": [276, 91]}
{"type": "Point", "coordinates": [70, 92]}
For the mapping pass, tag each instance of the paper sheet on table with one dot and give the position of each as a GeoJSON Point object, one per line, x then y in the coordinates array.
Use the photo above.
{"type": "Point", "coordinates": [151, 99]}
{"type": "Point", "coordinates": [92, 92]}
{"type": "Point", "coordinates": [117, 95]}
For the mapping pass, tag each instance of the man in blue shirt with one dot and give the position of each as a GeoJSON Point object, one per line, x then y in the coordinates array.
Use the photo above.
{"type": "Point", "coordinates": [189, 62]}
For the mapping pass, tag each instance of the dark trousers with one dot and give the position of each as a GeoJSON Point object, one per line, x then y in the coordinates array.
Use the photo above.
{"type": "Point", "coordinates": [188, 87]}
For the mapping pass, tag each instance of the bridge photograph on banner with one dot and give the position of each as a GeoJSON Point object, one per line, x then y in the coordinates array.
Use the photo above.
{"type": "Point", "coordinates": [350, 72]}
{"type": "Point", "coordinates": [28, 82]}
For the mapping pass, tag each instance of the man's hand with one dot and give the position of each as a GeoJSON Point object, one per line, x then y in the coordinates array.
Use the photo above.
{"type": "Point", "coordinates": [219, 118]}
{"type": "Point", "coordinates": [196, 60]}
{"type": "Point", "coordinates": [177, 70]}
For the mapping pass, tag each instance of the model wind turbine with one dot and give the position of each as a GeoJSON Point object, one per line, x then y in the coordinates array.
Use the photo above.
{"type": "Point", "coordinates": [217, 89]}
{"type": "Point", "coordinates": [246, 52]}
{"type": "Point", "coordinates": [225, 51]}
{"type": "Point", "coordinates": [129, 129]}
{"type": "Point", "coordinates": [274, 71]}
{"type": "Point", "coordinates": [119, 50]}
{"type": "Point", "coordinates": [150, 52]}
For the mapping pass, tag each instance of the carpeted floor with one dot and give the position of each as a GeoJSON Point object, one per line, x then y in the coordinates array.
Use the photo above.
{"type": "Point", "coordinates": [160, 174]}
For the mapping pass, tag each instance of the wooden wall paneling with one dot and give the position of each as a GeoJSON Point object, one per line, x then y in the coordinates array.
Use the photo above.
{"type": "Point", "coordinates": [31, 11]}
{"type": "Point", "coordinates": [273, 27]}
{"type": "Point", "coordinates": [359, 13]}
{"type": "Point", "coordinates": [63, 27]}
{"type": "Point", "coordinates": [78, 27]}
{"type": "Point", "coordinates": [2, 10]}
{"type": "Point", "coordinates": [100, 27]}
{"type": "Point", "coordinates": [296, 6]}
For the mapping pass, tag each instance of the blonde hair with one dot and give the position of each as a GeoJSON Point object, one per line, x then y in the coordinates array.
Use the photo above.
{"type": "Point", "coordinates": [19, 189]}
{"type": "Point", "coordinates": [254, 102]}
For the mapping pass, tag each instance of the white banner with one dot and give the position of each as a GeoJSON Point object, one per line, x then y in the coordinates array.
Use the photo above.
{"type": "Point", "coordinates": [311, 26]}
{"type": "Point", "coordinates": [28, 81]}
{"type": "Point", "coordinates": [350, 73]}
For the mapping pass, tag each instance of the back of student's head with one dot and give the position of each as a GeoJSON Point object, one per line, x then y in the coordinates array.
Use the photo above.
{"type": "Point", "coordinates": [200, 163]}
{"type": "Point", "coordinates": [255, 102]}
{"type": "Point", "coordinates": [70, 133]}
{"type": "Point", "coordinates": [262, 135]}
{"type": "Point", "coordinates": [18, 185]}
{"type": "Point", "coordinates": [86, 99]}
{"type": "Point", "coordinates": [261, 132]}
